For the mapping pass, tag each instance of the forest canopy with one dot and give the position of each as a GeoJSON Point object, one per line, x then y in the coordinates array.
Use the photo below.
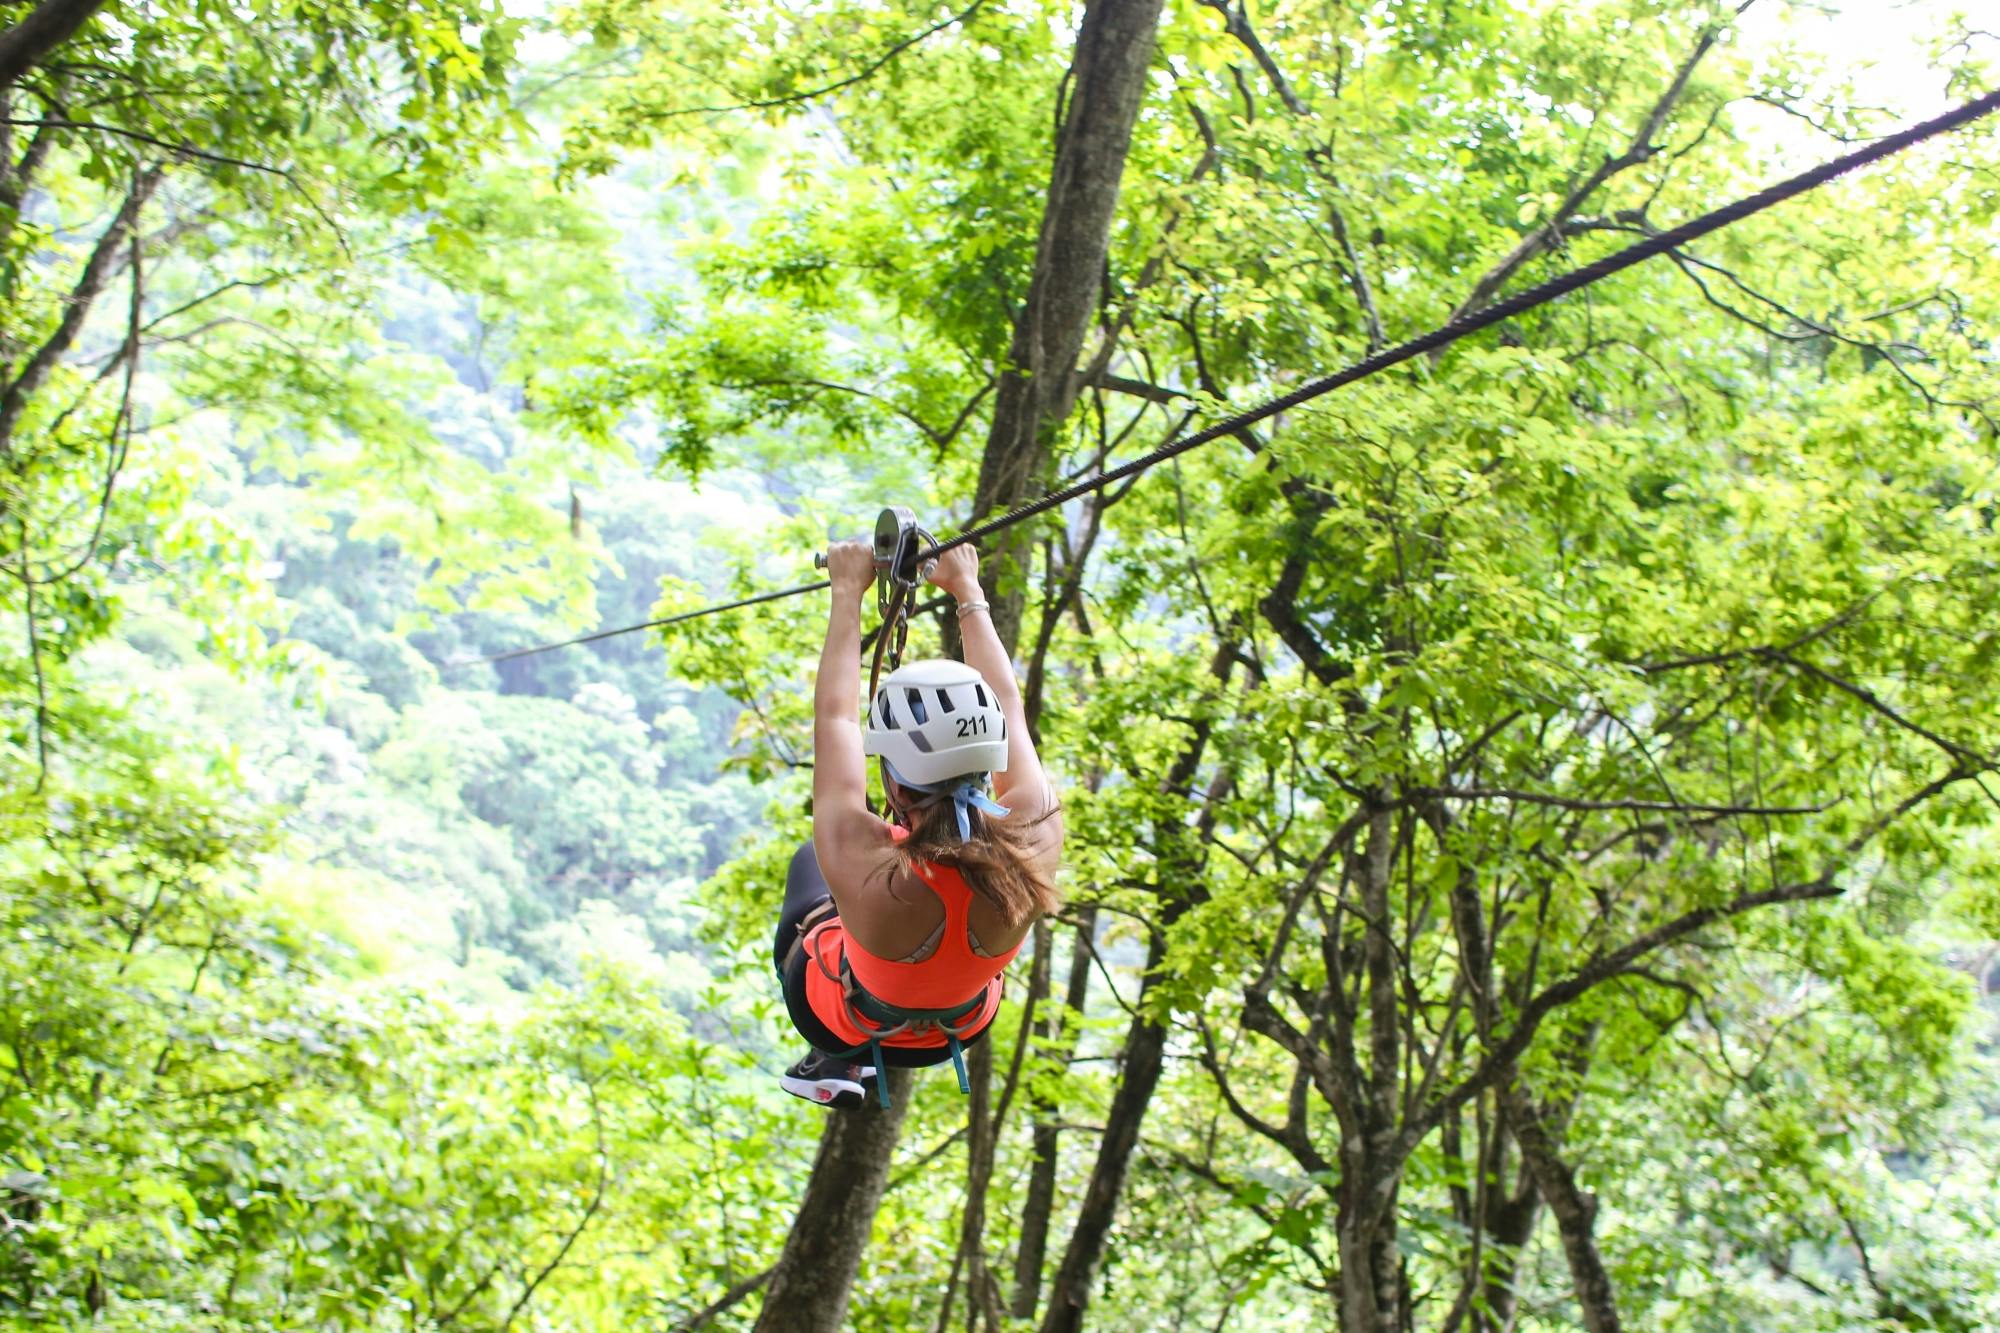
{"type": "Point", "coordinates": [1531, 857]}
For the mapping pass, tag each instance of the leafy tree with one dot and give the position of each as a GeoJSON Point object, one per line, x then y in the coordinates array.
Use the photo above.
{"type": "Point", "coordinates": [1529, 813]}
{"type": "Point", "coordinates": [257, 180]}
{"type": "Point", "coordinates": [1489, 704]}
{"type": "Point", "coordinates": [205, 1123]}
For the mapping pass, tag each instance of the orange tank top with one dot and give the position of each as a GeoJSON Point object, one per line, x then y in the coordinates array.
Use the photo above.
{"type": "Point", "coordinates": [951, 976]}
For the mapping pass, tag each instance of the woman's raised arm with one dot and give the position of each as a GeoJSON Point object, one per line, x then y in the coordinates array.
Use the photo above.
{"type": "Point", "coordinates": [846, 837]}
{"type": "Point", "coordinates": [1023, 787]}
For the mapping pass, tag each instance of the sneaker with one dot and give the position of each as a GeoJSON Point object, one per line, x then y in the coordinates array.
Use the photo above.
{"type": "Point", "coordinates": [830, 1082]}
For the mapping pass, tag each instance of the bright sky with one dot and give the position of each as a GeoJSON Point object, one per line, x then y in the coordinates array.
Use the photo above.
{"type": "Point", "coordinates": [1885, 50]}
{"type": "Point", "coordinates": [1882, 45]}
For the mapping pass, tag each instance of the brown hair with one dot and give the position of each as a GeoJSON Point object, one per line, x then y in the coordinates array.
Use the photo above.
{"type": "Point", "coordinates": [997, 862]}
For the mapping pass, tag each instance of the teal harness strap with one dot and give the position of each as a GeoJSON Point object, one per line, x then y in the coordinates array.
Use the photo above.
{"type": "Point", "coordinates": [958, 1062]}
{"type": "Point", "coordinates": [885, 1020]}
{"type": "Point", "coordinates": [873, 1050]}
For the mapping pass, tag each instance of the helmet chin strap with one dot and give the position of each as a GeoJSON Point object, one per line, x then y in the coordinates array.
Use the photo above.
{"type": "Point", "coordinates": [966, 795]}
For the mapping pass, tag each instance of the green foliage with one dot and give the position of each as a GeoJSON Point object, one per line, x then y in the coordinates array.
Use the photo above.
{"type": "Point", "coordinates": [203, 1119]}
{"type": "Point", "coordinates": [381, 995]}
{"type": "Point", "coordinates": [1710, 541]}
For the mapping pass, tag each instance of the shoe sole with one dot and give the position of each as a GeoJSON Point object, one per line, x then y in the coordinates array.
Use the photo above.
{"type": "Point", "coordinates": [841, 1093]}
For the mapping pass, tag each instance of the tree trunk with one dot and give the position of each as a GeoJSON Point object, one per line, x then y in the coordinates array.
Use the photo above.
{"type": "Point", "coordinates": [1574, 1210]}
{"type": "Point", "coordinates": [1039, 1201]}
{"type": "Point", "coordinates": [815, 1273]}
{"type": "Point", "coordinates": [1371, 1293]}
{"type": "Point", "coordinates": [1371, 1275]}
{"type": "Point", "coordinates": [1182, 863]}
{"type": "Point", "coordinates": [1354, 1235]}
{"type": "Point", "coordinates": [1510, 1222]}
{"type": "Point", "coordinates": [52, 23]}
{"type": "Point", "coordinates": [1114, 50]}
{"type": "Point", "coordinates": [980, 1141]}
{"type": "Point", "coordinates": [1145, 1048]}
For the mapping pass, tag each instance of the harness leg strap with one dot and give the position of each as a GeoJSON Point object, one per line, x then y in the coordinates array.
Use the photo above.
{"type": "Point", "coordinates": [958, 1061]}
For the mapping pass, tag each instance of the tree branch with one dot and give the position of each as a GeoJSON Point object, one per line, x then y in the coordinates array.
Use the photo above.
{"type": "Point", "coordinates": [1875, 702]}
{"type": "Point", "coordinates": [1502, 1055]}
{"type": "Point", "coordinates": [188, 150]}
{"type": "Point", "coordinates": [867, 71]}
{"type": "Point", "coordinates": [1291, 1136]}
{"type": "Point", "coordinates": [16, 177]}
{"type": "Point", "coordinates": [589, 1212]}
{"type": "Point", "coordinates": [180, 149]}
{"type": "Point", "coordinates": [48, 26]}
{"type": "Point", "coordinates": [1152, 393]}
{"type": "Point", "coordinates": [1640, 149]}
{"type": "Point", "coordinates": [35, 656]}
{"type": "Point", "coordinates": [1236, 22]}
{"type": "Point", "coordinates": [1578, 803]}
{"type": "Point", "coordinates": [14, 400]}
{"type": "Point", "coordinates": [1575, 1209]}
{"type": "Point", "coordinates": [119, 445]}
{"type": "Point", "coordinates": [699, 1319]}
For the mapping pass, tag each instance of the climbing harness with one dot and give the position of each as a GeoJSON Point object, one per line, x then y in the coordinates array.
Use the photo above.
{"type": "Point", "coordinates": [1442, 336]}
{"type": "Point", "coordinates": [882, 1020]}
{"type": "Point", "coordinates": [876, 1016]}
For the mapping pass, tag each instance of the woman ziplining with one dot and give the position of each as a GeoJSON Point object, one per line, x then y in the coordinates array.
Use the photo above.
{"type": "Point", "coordinates": [895, 933]}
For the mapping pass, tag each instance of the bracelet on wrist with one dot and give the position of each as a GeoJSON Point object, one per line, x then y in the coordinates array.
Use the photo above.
{"type": "Point", "coordinates": [963, 607]}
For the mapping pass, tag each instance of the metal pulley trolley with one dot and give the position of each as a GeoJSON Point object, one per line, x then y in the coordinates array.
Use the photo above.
{"type": "Point", "coordinates": [897, 543]}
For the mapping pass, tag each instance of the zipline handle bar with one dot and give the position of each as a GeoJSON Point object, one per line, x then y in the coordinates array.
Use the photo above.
{"type": "Point", "coordinates": [892, 526]}
{"type": "Point", "coordinates": [900, 565]}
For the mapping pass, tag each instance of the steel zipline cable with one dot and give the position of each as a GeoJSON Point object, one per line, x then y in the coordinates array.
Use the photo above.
{"type": "Point", "coordinates": [777, 595]}
{"type": "Point", "coordinates": [1443, 336]}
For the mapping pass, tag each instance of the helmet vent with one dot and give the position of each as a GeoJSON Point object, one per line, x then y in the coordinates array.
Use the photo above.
{"type": "Point", "coordinates": [944, 700]}
{"type": "Point", "coordinates": [882, 711]}
{"type": "Point", "coordinates": [979, 693]}
{"type": "Point", "coordinates": [917, 709]}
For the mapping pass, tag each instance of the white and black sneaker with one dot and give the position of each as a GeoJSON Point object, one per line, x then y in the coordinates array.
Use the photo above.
{"type": "Point", "coordinates": [829, 1082]}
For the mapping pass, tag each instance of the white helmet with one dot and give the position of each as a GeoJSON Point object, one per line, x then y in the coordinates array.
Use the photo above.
{"type": "Point", "coordinates": [936, 720]}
